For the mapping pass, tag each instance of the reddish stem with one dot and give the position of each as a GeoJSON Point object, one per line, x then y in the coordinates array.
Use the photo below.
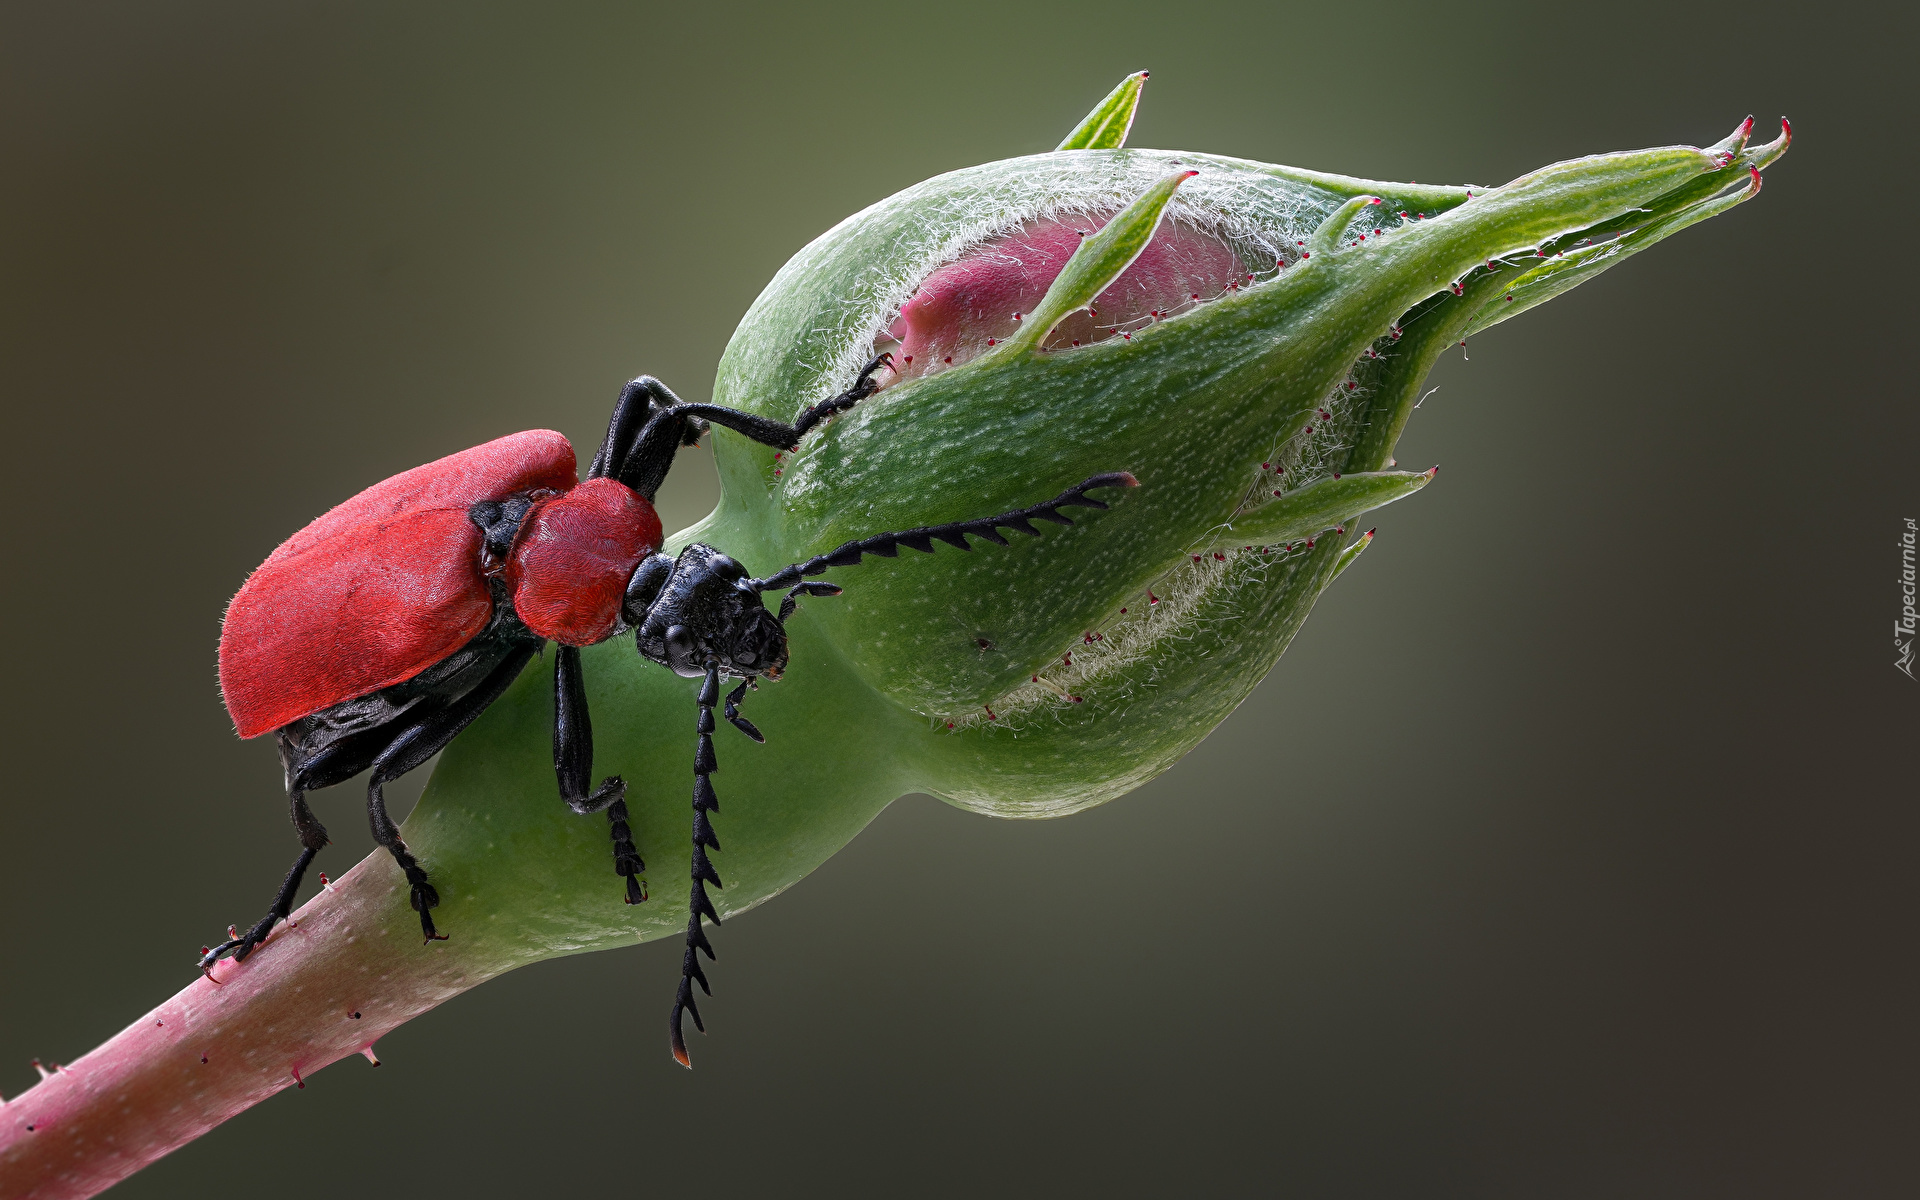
{"type": "Point", "coordinates": [223, 1045]}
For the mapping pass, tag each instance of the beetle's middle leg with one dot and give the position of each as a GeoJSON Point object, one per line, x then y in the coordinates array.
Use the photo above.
{"type": "Point", "coordinates": [415, 744]}
{"type": "Point", "coordinates": [573, 765]}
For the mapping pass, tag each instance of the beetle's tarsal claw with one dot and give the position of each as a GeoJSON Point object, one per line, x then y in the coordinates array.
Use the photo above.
{"type": "Point", "coordinates": [425, 899]}
{"type": "Point", "coordinates": [210, 956]}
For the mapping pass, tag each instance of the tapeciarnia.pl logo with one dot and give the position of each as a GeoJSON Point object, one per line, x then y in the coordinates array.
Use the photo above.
{"type": "Point", "coordinates": [1903, 625]}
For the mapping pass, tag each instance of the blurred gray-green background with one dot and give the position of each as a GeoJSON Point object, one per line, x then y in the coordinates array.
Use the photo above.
{"type": "Point", "coordinates": [1568, 853]}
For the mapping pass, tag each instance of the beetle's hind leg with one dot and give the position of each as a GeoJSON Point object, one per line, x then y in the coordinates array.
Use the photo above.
{"type": "Point", "coordinates": [573, 765]}
{"type": "Point", "coordinates": [415, 744]}
{"type": "Point", "coordinates": [313, 835]}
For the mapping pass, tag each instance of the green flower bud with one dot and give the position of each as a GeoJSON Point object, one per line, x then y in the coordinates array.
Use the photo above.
{"type": "Point", "coordinates": [1056, 672]}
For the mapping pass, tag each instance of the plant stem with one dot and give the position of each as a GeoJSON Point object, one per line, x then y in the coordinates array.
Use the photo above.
{"type": "Point", "coordinates": [520, 880]}
{"type": "Point", "coordinates": [347, 969]}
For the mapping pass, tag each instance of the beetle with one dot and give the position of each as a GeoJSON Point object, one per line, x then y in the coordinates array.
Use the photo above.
{"type": "Point", "coordinates": [372, 637]}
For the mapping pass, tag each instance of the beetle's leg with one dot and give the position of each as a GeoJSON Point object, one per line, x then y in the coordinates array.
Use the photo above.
{"type": "Point", "coordinates": [415, 744]}
{"type": "Point", "coordinates": [313, 835]}
{"type": "Point", "coordinates": [646, 462]}
{"type": "Point", "coordinates": [704, 802]}
{"type": "Point", "coordinates": [863, 386]}
{"type": "Point", "coordinates": [790, 601]}
{"type": "Point", "coordinates": [210, 955]}
{"type": "Point", "coordinates": [639, 400]}
{"type": "Point", "coordinates": [732, 710]}
{"type": "Point", "coordinates": [337, 762]}
{"type": "Point", "coordinates": [887, 545]}
{"type": "Point", "coordinates": [573, 764]}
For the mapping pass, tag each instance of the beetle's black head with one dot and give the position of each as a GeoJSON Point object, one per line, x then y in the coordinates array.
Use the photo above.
{"type": "Point", "coordinates": [683, 610]}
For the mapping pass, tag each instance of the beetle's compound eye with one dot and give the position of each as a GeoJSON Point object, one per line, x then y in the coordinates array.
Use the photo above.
{"type": "Point", "coordinates": [726, 568]}
{"type": "Point", "coordinates": [681, 650]}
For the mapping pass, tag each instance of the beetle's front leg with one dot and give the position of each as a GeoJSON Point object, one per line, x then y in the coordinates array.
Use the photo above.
{"type": "Point", "coordinates": [732, 711]}
{"type": "Point", "coordinates": [573, 765]}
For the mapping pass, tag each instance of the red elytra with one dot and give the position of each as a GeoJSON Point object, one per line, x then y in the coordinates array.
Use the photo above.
{"type": "Point", "coordinates": [370, 639]}
{"type": "Point", "coordinates": [390, 582]}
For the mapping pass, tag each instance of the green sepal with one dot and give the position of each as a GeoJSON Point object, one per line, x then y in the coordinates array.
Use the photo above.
{"type": "Point", "coordinates": [1319, 505]}
{"type": "Point", "coordinates": [1327, 236]}
{"type": "Point", "coordinates": [1106, 127]}
{"type": "Point", "coordinates": [1571, 268]}
{"type": "Point", "coordinates": [1349, 553]}
{"type": "Point", "coordinates": [1620, 239]}
{"type": "Point", "coordinates": [1099, 261]}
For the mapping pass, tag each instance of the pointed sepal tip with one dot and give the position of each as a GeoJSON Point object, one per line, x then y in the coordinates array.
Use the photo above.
{"type": "Point", "coordinates": [1107, 126]}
